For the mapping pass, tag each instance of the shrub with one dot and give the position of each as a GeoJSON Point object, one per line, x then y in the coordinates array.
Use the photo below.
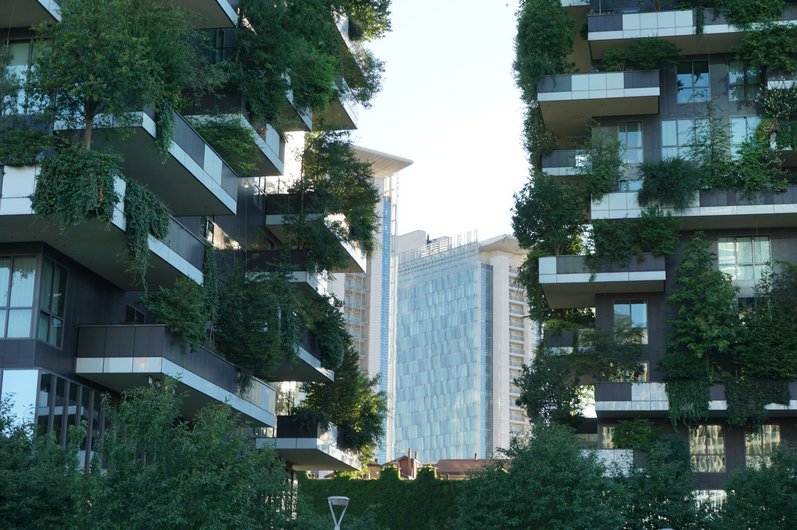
{"type": "Point", "coordinates": [670, 183]}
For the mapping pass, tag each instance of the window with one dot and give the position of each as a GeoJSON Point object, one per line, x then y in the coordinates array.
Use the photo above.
{"type": "Point", "coordinates": [759, 445]}
{"type": "Point", "coordinates": [51, 303]}
{"type": "Point", "coordinates": [630, 135]}
{"type": "Point", "coordinates": [632, 315]}
{"type": "Point", "coordinates": [678, 137]}
{"type": "Point", "coordinates": [743, 83]}
{"type": "Point", "coordinates": [744, 258]}
{"type": "Point", "coordinates": [693, 82]}
{"type": "Point", "coordinates": [635, 374]}
{"type": "Point", "coordinates": [707, 449]}
{"type": "Point", "coordinates": [133, 315]}
{"type": "Point", "coordinates": [17, 279]}
{"type": "Point", "coordinates": [607, 436]}
{"type": "Point", "coordinates": [742, 127]}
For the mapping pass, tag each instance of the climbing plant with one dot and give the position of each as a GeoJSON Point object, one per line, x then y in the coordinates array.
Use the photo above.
{"type": "Point", "coordinates": [640, 434]}
{"type": "Point", "coordinates": [182, 309]}
{"type": "Point", "coordinates": [21, 144]}
{"type": "Point", "coordinates": [145, 215]}
{"type": "Point", "coordinates": [602, 163]}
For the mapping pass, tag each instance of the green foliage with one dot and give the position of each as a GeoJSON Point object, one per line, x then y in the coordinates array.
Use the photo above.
{"type": "Point", "coordinates": [779, 106]}
{"type": "Point", "coordinates": [672, 183]}
{"type": "Point", "coordinates": [259, 324]}
{"type": "Point", "coordinates": [640, 434]}
{"type": "Point", "coordinates": [705, 331]}
{"type": "Point", "coordinates": [77, 186]}
{"type": "Point", "coordinates": [549, 391]}
{"type": "Point", "coordinates": [21, 146]}
{"type": "Point", "coordinates": [758, 168]}
{"type": "Point", "coordinates": [747, 398]}
{"type": "Point", "coordinates": [372, 17]}
{"type": "Point", "coordinates": [661, 493]}
{"type": "Point", "coordinates": [603, 164]}
{"type": "Point", "coordinates": [40, 486]}
{"type": "Point", "coordinates": [618, 240]}
{"type": "Point", "coordinates": [545, 35]}
{"type": "Point", "coordinates": [233, 140]}
{"type": "Point", "coordinates": [425, 503]}
{"type": "Point", "coordinates": [183, 310]}
{"type": "Point", "coordinates": [159, 472]}
{"type": "Point", "coordinates": [642, 54]}
{"type": "Point", "coordinates": [164, 129]}
{"type": "Point", "coordinates": [744, 13]}
{"type": "Point", "coordinates": [551, 484]}
{"type": "Point", "coordinates": [549, 216]}
{"type": "Point", "coordinates": [110, 58]}
{"type": "Point", "coordinates": [145, 215]}
{"type": "Point", "coordinates": [537, 140]}
{"type": "Point", "coordinates": [325, 321]}
{"type": "Point", "coordinates": [352, 404]}
{"type": "Point", "coordinates": [770, 47]}
{"type": "Point", "coordinates": [710, 149]}
{"type": "Point", "coordinates": [763, 498]}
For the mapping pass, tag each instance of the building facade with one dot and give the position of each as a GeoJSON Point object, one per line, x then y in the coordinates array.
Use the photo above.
{"type": "Point", "coordinates": [461, 338]}
{"type": "Point", "coordinates": [73, 325]}
{"type": "Point", "coordinates": [704, 94]}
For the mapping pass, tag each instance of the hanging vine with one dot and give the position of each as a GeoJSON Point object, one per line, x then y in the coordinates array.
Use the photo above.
{"type": "Point", "coordinates": [145, 215]}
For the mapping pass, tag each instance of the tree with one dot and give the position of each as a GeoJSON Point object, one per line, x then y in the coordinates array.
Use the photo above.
{"type": "Point", "coordinates": [161, 472]}
{"type": "Point", "coordinates": [764, 498]}
{"type": "Point", "coordinates": [551, 484]}
{"type": "Point", "coordinates": [549, 390]}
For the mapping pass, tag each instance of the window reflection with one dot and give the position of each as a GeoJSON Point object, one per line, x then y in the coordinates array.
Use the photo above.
{"type": "Point", "coordinates": [707, 449]}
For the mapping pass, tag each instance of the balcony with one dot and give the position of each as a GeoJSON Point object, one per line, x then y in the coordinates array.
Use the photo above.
{"type": "Point", "coordinates": [122, 357]}
{"type": "Point", "coordinates": [616, 28]}
{"type": "Point", "coordinates": [99, 247]}
{"type": "Point", "coordinates": [265, 137]}
{"type": "Point", "coordinates": [279, 209]}
{"type": "Point", "coordinates": [342, 111]}
{"type": "Point", "coordinates": [567, 281]}
{"type": "Point", "coordinates": [712, 209]}
{"type": "Point", "coordinates": [570, 101]}
{"type": "Point", "coordinates": [564, 162]}
{"type": "Point", "coordinates": [193, 179]}
{"type": "Point", "coordinates": [305, 367]}
{"type": "Point", "coordinates": [213, 13]}
{"type": "Point", "coordinates": [309, 282]}
{"type": "Point", "coordinates": [306, 447]}
{"type": "Point", "coordinates": [27, 13]}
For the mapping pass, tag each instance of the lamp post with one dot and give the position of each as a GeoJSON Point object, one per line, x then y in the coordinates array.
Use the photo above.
{"type": "Point", "coordinates": [337, 501]}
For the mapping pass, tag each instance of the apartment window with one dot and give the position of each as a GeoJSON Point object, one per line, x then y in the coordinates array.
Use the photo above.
{"type": "Point", "coordinates": [707, 449]}
{"type": "Point", "coordinates": [742, 127]}
{"type": "Point", "coordinates": [632, 315]}
{"type": "Point", "coordinates": [693, 82]}
{"type": "Point", "coordinates": [744, 258]}
{"type": "Point", "coordinates": [635, 374]}
{"type": "Point", "coordinates": [630, 135]}
{"type": "Point", "coordinates": [607, 436]}
{"type": "Point", "coordinates": [51, 303]}
{"type": "Point", "coordinates": [760, 445]}
{"type": "Point", "coordinates": [679, 136]}
{"type": "Point", "coordinates": [743, 82]}
{"type": "Point", "coordinates": [17, 280]}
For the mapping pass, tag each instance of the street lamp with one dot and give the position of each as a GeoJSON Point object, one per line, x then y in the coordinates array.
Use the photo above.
{"type": "Point", "coordinates": [337, 501]}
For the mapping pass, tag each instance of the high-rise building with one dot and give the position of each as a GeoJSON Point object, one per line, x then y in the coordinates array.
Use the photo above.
{"type": "Point", "coordinates": [73, 326]}
{"type": "Point", "coordinates": [699, 104]}
{"type": "Point", "coordinates": [461, 339]}
{"type": "Point", "coordinates": [369, 298]}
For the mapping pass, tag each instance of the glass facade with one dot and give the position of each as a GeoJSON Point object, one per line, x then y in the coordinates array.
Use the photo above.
{"type": "Point", "coordinates": [693, 82]}
{"type": "Point", "coordinates": [441, 356]}
{"type": "Point", "coordinates": [760, 445]}
{"type": "Point", "coordinates": [707, 448]}
{"type": "Point", "coordinates": [744, 258]}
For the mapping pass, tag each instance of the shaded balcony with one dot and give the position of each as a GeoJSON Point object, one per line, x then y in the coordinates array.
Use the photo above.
{"type": "Point", "coordinates": [309, 282]}
{"type": "Point", "coordinates": [305, 366]}
{"type": "Point", "coordinates": [568, 282]}
{"type": "Point", "coordinates": [27, 13]}
{"type": "Point", "coordinates": [98, 246]}
{"type": "Point", "coordinates": [125, 356]}
{"type": "Point", "coordinates": [306, 447]}
{"type": "Point", "coordinates": [192, 179]}
{"type": "Point", "coordinates": [342, 112]}
{"type": "Point", "coordinates": [213, 13]}
{"type": "Point", "coordinates": [564, 162]}
{"type": "Point", "coordinates": [615, 24]}
{"type": "Point", "coordinates": [570, 101]}
{"type": "Point", "coordinates": [712, 209]}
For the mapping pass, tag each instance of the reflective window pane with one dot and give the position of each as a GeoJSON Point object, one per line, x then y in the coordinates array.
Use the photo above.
{"type": "Point", "coordinates": [18, 323]}
{"type": "Point", "coordinates": [5, 276]}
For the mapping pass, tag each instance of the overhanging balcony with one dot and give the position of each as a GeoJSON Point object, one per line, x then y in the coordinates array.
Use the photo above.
{"type": "Point", "coordinates": [213, 13]}
{"type": "Point", "coordinates": [617, 28]}
{"type": "Point", "coordinates": [192, 179]}
{"type": "Point", "coordinates": [98, 246]}
{"type": "Point", "coordinates": [305, 367]}
{"type": "Point", "coordinates": [570, 101]}
{"type": "Point", "coordinates": [712, 209]}
{"type": "Point", "coordinates": [567, 281]}
{"type": "Point", "coordinates": [306, 447]}
{"type": "Point", "coordinates": [342, 111]}
{"type": "Point", "coordinates": [27, 13]}
{"type": "Point", "coordinates": [309, 282]}
{"type": "Point", "coordinates": [125, 356]}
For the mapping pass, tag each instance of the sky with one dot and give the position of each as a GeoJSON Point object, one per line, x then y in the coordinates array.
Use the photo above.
{"type": "Point", "coordinates": [449, 103]}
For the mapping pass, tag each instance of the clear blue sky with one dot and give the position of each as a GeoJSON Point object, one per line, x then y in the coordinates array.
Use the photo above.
{"type": "Point", "coordinates": [449, 103]}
